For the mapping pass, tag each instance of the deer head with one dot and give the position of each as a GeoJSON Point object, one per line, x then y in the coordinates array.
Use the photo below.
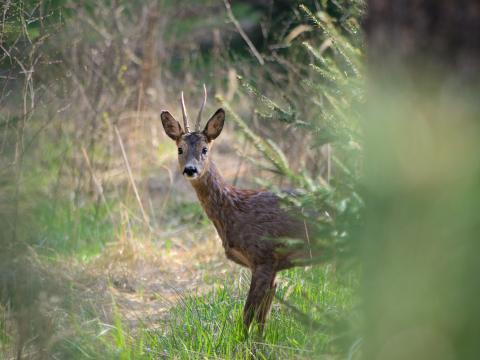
{"type": "Point", "coordinates": [193, 146]}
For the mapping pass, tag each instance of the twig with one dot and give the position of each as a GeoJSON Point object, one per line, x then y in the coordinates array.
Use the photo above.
{"type": "Point", "coordinates": [130, 176]}
{"type": "Point", "coordinates": [97, 182]}
{"type": "Point", "coordinates": [308, 239]}
{"type": "Point", "coordinates": [242, 33]}
{"type": "Point", "coordinates": [167, 196]}
{"type": "Point", "coordinates": [329, 162]}
{"type": "Point", "coordinates": [305, 318]}
{"type": "Point", "coordinates": [5, 9]}
{"type": "Point", "coordinates": [240, 162]}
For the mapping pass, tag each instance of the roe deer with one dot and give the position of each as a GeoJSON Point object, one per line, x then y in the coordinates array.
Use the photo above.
{"type": "Point", "coordinates": [250, 223]}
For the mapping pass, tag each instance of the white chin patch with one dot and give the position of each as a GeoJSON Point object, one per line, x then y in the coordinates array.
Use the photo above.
{"type": "Point", "coordinates": [193, 177]}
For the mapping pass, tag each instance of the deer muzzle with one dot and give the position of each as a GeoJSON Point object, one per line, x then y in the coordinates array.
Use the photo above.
{"type": "Point", "coordinates": [190, 172]}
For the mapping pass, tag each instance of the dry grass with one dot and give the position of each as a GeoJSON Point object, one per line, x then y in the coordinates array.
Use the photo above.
{"type": "Point", "coordinates": [143, 280]}
{"type": "Point", "coordinates": [136, 282]}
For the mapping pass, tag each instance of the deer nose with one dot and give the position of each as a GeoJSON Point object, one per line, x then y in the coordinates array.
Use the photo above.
{"type": "Point", "coordinates": [190, 171]}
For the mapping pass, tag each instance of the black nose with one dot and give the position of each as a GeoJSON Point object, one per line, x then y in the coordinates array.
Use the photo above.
{"type": "Point", "coordinates": [190, 170]}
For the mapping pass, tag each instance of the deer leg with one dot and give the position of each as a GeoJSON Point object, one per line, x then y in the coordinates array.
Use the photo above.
{"type": "Point", "coordinates": [266, 305]}
{"type": "Point", "coordinates": [260, 296]}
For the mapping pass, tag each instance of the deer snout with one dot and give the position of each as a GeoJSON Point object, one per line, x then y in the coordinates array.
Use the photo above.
{"type": "Point", "coordinates": [190, 171]}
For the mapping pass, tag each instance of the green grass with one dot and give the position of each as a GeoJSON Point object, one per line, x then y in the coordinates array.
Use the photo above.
{"type": "Point", "coordinates": [310, 318]}
{"type": "Point", "coordinates": [307, 321]}
{"type": "Point", "coordinates": [73, 230]}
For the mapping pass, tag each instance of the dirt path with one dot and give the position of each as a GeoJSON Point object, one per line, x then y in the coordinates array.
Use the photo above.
{"type": "Point", "coordinates": [141, 282]}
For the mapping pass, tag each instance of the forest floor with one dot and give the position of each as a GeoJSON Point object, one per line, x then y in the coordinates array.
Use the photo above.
{"type": "Point", "coordinates": [142, 282]}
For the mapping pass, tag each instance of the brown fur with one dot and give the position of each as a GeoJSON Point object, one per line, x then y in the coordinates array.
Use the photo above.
{"type": "Point", "coordinates": [249, 222]}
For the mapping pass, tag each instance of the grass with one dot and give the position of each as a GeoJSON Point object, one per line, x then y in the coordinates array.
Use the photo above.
{"type": "Point", "coordinates": [65, 229]}
{"type": "Point", "coordinates": [210, 326]}
{"type": "Point", "coordinates": [308, 318]}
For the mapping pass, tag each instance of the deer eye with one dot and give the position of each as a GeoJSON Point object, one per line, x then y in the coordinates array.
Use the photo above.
{"type": "Point", "coordinates": [204, 151]}
{"type": "Point", "coordinates": [180, 151]}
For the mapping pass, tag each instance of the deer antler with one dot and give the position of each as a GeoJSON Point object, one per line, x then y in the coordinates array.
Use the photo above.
{"type": "Point", "coordinates": [185, 115]}
{"type": "Point", "coordinates": [199, 117]}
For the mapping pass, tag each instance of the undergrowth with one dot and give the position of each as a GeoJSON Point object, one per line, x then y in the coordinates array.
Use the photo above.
{"type": "Point", "coordinates": [209, 326]}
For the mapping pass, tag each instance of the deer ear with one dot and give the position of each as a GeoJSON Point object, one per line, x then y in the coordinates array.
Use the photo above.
{"type": "Point", "coordinates": [215, 125]}
{"type": "Point", "coordinates": [171, 126]}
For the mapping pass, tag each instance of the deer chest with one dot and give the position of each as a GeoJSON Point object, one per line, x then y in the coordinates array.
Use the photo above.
{"type": "Point", "coordinates": [233, 249]}
{"type": "Point", "coordinates": [239, 256]}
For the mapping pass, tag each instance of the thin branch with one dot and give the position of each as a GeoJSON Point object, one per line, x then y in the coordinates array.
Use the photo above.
{"type": "Point", "coordinates": [130, 175]}
{"type": "Point", "coordinates": [96, 181]}
{"type": "Point", "coordinates": [329, 162]}
{"type": "Point", "coordinates": [308, 239]}
{"type": "Point", "coordinates": [199, 117]}
{"type": "Point", "coordinates": [242, 33]}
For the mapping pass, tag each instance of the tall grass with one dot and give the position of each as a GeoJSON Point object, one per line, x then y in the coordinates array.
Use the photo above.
{"type": "Point", "coordinates": [210, 326]}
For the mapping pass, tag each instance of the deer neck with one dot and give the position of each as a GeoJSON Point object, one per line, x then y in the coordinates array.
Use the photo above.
{"type": "Point", "coordinates": [214, 196]}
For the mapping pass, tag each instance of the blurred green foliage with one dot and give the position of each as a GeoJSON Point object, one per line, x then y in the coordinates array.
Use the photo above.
{"type": "Point", "coordinates": [79, 230]}
{"type": "Point", "coordinates": [420, 242]}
